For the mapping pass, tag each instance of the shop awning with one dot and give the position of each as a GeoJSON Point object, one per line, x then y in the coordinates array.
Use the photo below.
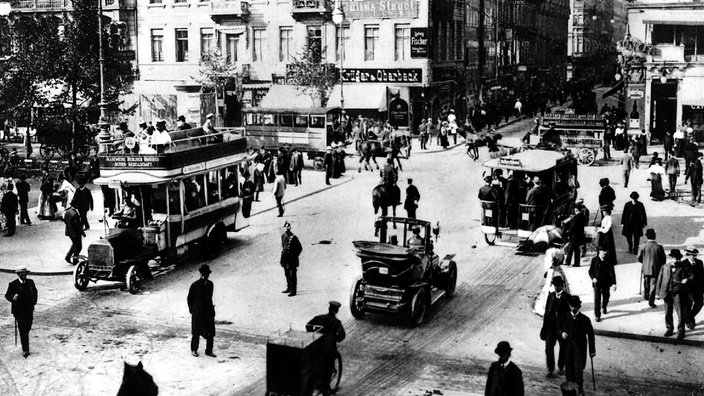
{"type": "Point", "coordinates": [613, 89]}
{"type": "Point", "coordinates": [288, 97]}
{"type": "Point", "coordinates": [691, 94]}
{"type": "Point", "coordinates": [360, 96]}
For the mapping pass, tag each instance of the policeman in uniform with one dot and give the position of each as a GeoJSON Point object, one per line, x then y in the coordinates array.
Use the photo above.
{"type": "Point", "coordinates": [333, 332]}
{"type": "Point", "coordinates": [290, 250]}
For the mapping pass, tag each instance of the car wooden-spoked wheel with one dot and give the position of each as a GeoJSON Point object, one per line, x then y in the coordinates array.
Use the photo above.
{"type": "Point", "coordinates": [80, 275]}
{"type": "Point", "coordinates": [586, 156]}
{"type": "Point", "coordinates": [46, 151]}
{"type": "Point", "coordinates": [451, 280]}
{"type": "Point", "coordinates": [419, 307]}
{"type": "Point", "coordinates": [336, 373]}
{"type": "Point", "coordinates": [357, 299]}
{"type": "Point", "coordinates": [490, 239]}
{"type": "Point", "coordinates": [134, 279]}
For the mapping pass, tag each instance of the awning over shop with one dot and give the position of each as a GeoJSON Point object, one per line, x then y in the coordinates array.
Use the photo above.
{"type": "Point", "coordinates": [613, 89]}
{"type": "Point", "coordinates": [288, 97]}
{"type": "Point", "coordinates": [360, 96]}
{"type": "Point", "coordinates": [691, 94]}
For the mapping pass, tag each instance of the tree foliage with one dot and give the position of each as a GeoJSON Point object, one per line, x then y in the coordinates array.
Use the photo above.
{"type": "Point", "coordinates": [311, 74]}
{"type": "Point", "coordinates": [214, 70]}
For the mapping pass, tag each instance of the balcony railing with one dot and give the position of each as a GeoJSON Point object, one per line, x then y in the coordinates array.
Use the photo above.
{"type": "Point", "coordinates": [42, 5]}
{"type": "Point", "coordinates": [300, 7]}
{"type": "Point", "coordinates": [229, 7]}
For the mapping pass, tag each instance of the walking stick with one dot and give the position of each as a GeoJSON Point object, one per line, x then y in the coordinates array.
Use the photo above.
{"type": "Point", "coordinates": [591, 358]}
{"type": "Point", "coordinates": [15, 331]}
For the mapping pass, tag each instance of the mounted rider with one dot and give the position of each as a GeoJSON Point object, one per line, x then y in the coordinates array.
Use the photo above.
{"type": "Point", "coordinates": [389, 177]}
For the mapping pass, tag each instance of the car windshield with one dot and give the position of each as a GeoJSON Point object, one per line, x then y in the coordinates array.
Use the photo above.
{"type": "Point", "coordinates": [401, 234]}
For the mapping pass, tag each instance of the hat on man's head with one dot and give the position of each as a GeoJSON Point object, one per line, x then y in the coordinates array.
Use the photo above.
{"type": "Point", "coordinates": [160, 121]}
{"type": "Point", "coordinates": [410, 180]}
{"type": "Point", "coordinates": [335, 306]}
{"type": "Point", "coordinates": [142, 122]}
{"type": "Point", "coordinates": [287, 225]}
{"type": "Point", "coordinates": [181, 118]}
{"type": "Point", "coordinates": [502, 347]}
{"type": "Point", "coordinates": [675, 253]}
{"type": "Point", "coordinates": [333, 145]}
{"type": "Point", "coordinates": [210, 115]}
{"type": "Point", "coordinates": [579, 201]}
{"type": "Point", "coordinates": [634, 195]}
{"type": "Point", "coordinates": [328, 148]}
{"type": "Point", "coordinates": [487, 179]}
{"type": "Point", "coordinates": [691, 251]}
{"type": "Point", "coordinates": [21, 269]}
{"type": "Point", "coordinates": [537, 180]}
{"type": "Point", "coordinates": [204, 269]}
{"type": "Point", "coordinates": [650, 233]}
{"type": "Point", "coordinates": [574, 301]}
{"type": "Point", "coordinates": [604, 181]}
{"type": "Point", "coordinates": [558, 281]}
{"type": "Point", "coordinates": [607, 207]}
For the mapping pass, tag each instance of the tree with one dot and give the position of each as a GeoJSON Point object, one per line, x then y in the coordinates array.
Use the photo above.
{"type": "Point", "coordinates": [311, 74]}
{"type": "Point", "coordinates": [214, 71]}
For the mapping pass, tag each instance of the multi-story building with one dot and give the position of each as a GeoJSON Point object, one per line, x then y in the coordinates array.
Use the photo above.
{"type": "Point", "coordinates": [663, 65]}
{"type": "Point", "coordinates": [387, 52]}
{"type": "Point", "coordinates": [594, 28]}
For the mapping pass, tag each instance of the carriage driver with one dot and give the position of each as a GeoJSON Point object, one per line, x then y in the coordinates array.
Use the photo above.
{"type": "Point", "coordinates": [332, 332]}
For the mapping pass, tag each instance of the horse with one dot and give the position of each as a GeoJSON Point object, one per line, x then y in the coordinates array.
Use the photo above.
{"type": "Point", "coordinates": [137, 382]}
{"type": "Point", "coordinates": [383, 197]}
{"type": "Point", "coordinates": [368, 149]}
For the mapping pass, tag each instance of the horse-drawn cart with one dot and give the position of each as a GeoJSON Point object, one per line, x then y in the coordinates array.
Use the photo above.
{"type": "Point", "coordinates": [62, 139]}
{"type": "Point", "coordinates": [581, 133]}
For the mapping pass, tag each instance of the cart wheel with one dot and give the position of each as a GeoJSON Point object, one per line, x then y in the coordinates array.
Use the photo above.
{"type": "Point", "coordinates": [490, 239]}
{"type": "Point", "coordinates": [134, 279]}
{"type": "Point", "coordinates": [357, 299]}
{"type": "Point", "coordinates": [336, 373]}
{"type": "Point", "coordinates": [319, 163]}
{"type": "Point", "coordinates": [451, 280]}
{"type": "Point", "coordinates": [418, 308]}
{"type": "Point", "coordinates": [586, 156]}
{"type": "Point", "coordinates": [80, 275]}
{"type": "Point", "coordinates": [46, 151]}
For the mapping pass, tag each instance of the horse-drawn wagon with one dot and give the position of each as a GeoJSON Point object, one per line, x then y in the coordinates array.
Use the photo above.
{"type": "Point", "coordinates": [581, 133]}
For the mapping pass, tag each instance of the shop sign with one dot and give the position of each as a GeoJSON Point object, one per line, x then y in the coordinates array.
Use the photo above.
{"type": "Point", "coordinates": [398, 112]}
{"type": "Point", "coordinates": [419, 42]}
{"type": "Point", "coordinates": [383, 75]}
{"type": "Point", "coordinates": [636, 92]}
{"type": "Point", "coordinates": [374, 9]}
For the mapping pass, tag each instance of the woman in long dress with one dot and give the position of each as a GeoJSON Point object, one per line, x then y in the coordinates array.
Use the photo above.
{"type": "Point", "coordinates": [258, 176]}
{"type": "Point", "coordinates": [552, 265]}
{"type": "Point", "coordinates": [47, 208]}
{"type": "Point", "coordinates": [656, 172]}
{"type": "Point", "coordinates": [605, 234]}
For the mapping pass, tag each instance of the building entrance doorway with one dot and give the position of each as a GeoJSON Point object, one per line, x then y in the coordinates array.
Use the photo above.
{"type": "Point", "coordinates": [663, 109]}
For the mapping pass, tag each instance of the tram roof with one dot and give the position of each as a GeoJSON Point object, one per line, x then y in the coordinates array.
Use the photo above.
{"type": "Point", "coordinates": [530, 160]}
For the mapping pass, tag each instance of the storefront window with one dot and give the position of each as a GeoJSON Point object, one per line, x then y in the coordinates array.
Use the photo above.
{"type": "Point", "coordinates": [694, 115]}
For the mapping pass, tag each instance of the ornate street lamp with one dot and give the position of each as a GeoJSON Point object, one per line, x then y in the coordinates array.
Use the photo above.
{"type": "Point", "coordinates": [337, 18]}
{"type": "Point", "coordinates": [104, 135]}
{"type": "Point", "coordinates": [663, 74]}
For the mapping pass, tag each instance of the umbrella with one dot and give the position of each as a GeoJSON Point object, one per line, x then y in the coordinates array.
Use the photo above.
{"type": "Point", "coordinates": [541, 238]}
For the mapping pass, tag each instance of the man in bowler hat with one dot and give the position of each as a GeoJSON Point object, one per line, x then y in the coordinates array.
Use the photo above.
{"type": "Point", "coordinates": [652, 255]}
{"type": "Point", "coordinates": [200, 305]}
{"type": "Point", "coordinates": [505, 378]}
{"type": "Point", "coordinates": [556, 306]}
{"type": "Point", "coordinates": [290, 250]}
{"type": "Point", "coordinates": [22, 294]}
{"type": "Point", "coordinates": [673, 288]}
{"type": "Point", "coordinates": [332, 331]}
{"type": "Point", "coordinates": [603, 276]}
{"type": "Point", "coordinates": [576, 331]}
{"type": "Point", "coordinates": [696, 287]}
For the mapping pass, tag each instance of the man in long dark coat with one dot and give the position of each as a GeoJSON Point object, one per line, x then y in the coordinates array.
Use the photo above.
{"type": "Point", "coordinates": [694, 173]}
{"type": "Point", "coordinates": [22, 293]}
{"type": "Point", "coordinates": [8, 207]}
{"type": "Point", "coordinates": [290, 250]}
{"type": "Point", "coordinates": [328, 163]}
{"type": "Point", "coordinates": [515, 194]}
{"type": "Point", "coordinates": [505, 378]}
{"type": "Point", "coordinates": [576, 331]}
{"type": "Point", "coordinates": [673, 288]}
{"type": "Point", "coordinates": [696, 287]}
{"type": "Point", "coordinates": [556, 306]}
{"type": "Point", "coordinates": [412, 198]}
{"type": "Point", "coordinates": [575, 232]}
{"type": "Point", "coordinates": [202, 310]}
{"type": "Point", "coordinates": [607, 195]}
{"type": "Point", "coordinates": [83, 200]}
{"type": "Point", "coordinates": [652, 255]}
{"type": "Point", "coordinates": [603, 276]}
{"type": "Point", "coordinates": [332, 332]}
{"type": "Point", "coordinates": [633, 221]}
{"type": "Point", "coordinates": [23, 189]}
{"type": "Point", "coordinates": [74, 231]}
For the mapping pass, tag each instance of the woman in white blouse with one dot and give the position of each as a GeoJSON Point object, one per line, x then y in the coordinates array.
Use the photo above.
{"type": "Point", "coordinates": [605, 234]}
{"type": "Point", "coordinates": [656, 171]}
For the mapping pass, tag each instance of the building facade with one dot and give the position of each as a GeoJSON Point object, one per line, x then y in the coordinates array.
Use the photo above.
{"type": "Point", "coordinates": [392, 49]}
{"type": "Point", "coordinates": [663, 64]}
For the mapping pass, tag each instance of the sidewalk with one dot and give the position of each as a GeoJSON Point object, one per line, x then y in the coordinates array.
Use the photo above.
{"type": "Point", "coordinates": [677, 225]}
{"type": "Point", "coordinates": [42, 245]}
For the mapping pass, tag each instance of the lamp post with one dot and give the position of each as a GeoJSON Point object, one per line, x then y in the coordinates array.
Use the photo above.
{"type": "Point", "coordinates": [104, 135]}
{"type": "Point", "coordinates": [337, 18]}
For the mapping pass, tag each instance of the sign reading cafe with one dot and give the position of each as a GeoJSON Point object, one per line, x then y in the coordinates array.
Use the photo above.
{"type": "Point", "coordinates": [371, 9]}
{"type": "Point", "coordinates": [383, 75]}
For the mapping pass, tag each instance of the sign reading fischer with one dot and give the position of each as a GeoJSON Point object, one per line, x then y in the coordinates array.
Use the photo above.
{"type": "Point", "coordinates": [383, 75]}
{"type": "Point", "coordinates": [419, 42]}
{"type": "Point", "coordinates": [372, 9]}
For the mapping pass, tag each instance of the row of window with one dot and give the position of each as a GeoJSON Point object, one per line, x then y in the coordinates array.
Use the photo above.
{"type": "Point", "coordinates": [286, 47]}
{"type": "Point", "coordinates": [285, 120]}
